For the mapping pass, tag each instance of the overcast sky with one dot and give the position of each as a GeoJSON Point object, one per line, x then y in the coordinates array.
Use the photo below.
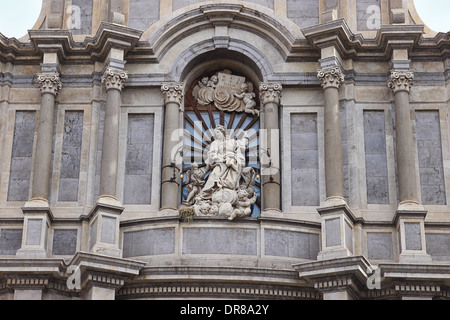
{"type": "Point", "coordinates": [17, 16]}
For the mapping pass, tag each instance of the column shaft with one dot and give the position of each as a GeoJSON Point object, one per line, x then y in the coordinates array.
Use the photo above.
{"type": "Point", "coordinates": [400, 82]}
{"type": "Point", "coordinates": [50, 86]}
{"type": "Point", "coordinates": [332, 79]}
{"type": "Point", "coordinates": [110, 151]}
{"type": "Point", "coordinates": [334, 174]}
{"type": "Point", "coordinates": [172, 93]}
{"type": "Point", "coordinates": [270, 95]}
{"type": "Point", "coordinates": [114, 81]}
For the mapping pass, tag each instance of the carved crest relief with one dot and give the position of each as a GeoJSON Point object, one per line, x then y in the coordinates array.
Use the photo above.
{"type": "Point", "coordinates": [227, 92]}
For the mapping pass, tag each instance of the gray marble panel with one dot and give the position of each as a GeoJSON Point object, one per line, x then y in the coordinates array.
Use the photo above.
{"type": "Point", "coordinates": [367, 18]}
{"type": "Point", "coordinates": [10, 241]}
{"type": "Point", "coordinates": [93, 233]}
{"type": "Point", "coordinates": [138, 164]}
{"type": "Point", "coordinates": [291, 244]}
{"type": "Point", "coordinates": [108, 233]}
{"type": "Point", "coordinates": [34, 230]}
{"type": "Point", "coordinates": [380, 246]}
{"type": "Point", "coordinates": [219, 241]}
{"type": "Point", "coordinates": [375, 157]}
{"type": "Point", "coordinates": [304, 160]}
{"type": "Point", "coordinates": [64, 241]}
{"type": "Point", "coordinates": [429, 149]}
{"type": "Point", "coordinates": [149, 242]}
{"type": "Point", "coordinates": [143, 13]}
{"type": "Point", "coordinates": [412, 236]}
{"type": "Point", "coordinates": [348, 237]}
{"type": "Point", "coordinates": [71, 156]}
{"type": "Point", "coordinates": [22, 151]}
{"type": "Point", "coordinates": [333, 232]}
{"type": "Point", "coordinates": [304, 13]}
{"type": "Point", "coordinates": [85, 18]}
{"type": "Point", "coordinates": [438, 246]}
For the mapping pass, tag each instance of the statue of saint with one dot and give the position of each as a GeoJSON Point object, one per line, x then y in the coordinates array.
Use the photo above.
{"type": "Point", "coordinates": [226, 158]}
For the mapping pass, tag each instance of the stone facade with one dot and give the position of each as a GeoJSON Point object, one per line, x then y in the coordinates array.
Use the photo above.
{"type": "Point", "coordinates": [347, 128]}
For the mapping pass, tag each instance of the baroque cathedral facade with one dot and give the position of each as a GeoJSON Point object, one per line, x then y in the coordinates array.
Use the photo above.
{"type": "Point", "coordinates": [258, 149]}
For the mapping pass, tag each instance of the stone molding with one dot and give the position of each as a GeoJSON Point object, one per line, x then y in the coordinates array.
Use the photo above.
{"type": "Point", "coordinates": [114, 79]}
{"type": "Point", "coordinates": [270, 93]}
{"type": "Point", "coordinates": [49, 83]}
{"type": "Point", "coordinates": [172, 92]}
{"type": "Point", "coordinates": [401, 80]}
{"type": "Point", "coordinates": [331, 77]}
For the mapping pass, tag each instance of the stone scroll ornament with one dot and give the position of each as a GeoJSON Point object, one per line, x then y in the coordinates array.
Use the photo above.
{"type": "Point", "coordinates": [225, 187]}
{"type": "Point", "coordinates": [227, 92]}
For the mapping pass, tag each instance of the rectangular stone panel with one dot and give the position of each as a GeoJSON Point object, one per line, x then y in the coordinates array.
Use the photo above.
{"type": "Point", "coordinates": [304, 160]}
{"type": "Point", "coordinates": [98, 151]}
{"type": "Point", "coordinates": [34, 230]}
{"type": "Point", "coordinates": [21, 158]}
{"type": "Point", "coordinates": [438, 246]}
{"type": "Point", "coordinates": [139, 159]}
{"type": "Point", "coordinates": [219, 241]}
{"type": "Point", "coordinates": [93, 233]}
{"type": "Point", "coordinates": [412, 236]}
{"type": "Point", "coordinates": [149, 242]}
{"type": "Point", "coordinates": [304, 13]}
{"type": "Point", "coordinates": [348, 237]}
{"type": "Point", "coordinates": [333, 232]}
{"type": "Point", "coordinates": [143, 13]}
{"type": "Point", "coordinates": [64, 241]}
{"type": "Point", "coordinates": [368, 14]}
{"type": "Point", "coordinates": [375, 157]}
{"type": "Point", "coordinates": [108, 233]}
{"type": "Point", "coordinates": [82, 16]}
{"type": "Point", "coordinates": [429, 150]}
{"type": "Point", "coordinates": [380, 246]}
{"type": "Point", "coordinates": [292, 244]}
{"type": "Point", "coordinates": [10, 241]}
{"type": "Point", "coordinates": [71, 156]}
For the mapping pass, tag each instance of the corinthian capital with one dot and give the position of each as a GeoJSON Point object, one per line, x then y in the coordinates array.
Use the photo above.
{"type": "Point", "coordinates": [114, 78]}
{"type": "Point", "coordinates": [172, 92]}
{"type": "Point", "coordinates": [270, 92]}
{"type": "Point", "coordinates": [49, 83]}
{"type": "Point", "coordinates": [400, 80]}
{"type": "Point", "coordinates": [331, 77]}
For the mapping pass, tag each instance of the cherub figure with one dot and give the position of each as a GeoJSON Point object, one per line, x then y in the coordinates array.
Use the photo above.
{"type": "Point", "coordinates": [246, 197]}
{"type": "Point", "coordinates": [195, 180]}
{"type": "Point", "coordinates": [247, 95]}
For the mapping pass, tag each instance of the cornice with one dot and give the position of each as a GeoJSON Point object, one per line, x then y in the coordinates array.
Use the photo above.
{"type": "Point", "coordinates": [109, 35]}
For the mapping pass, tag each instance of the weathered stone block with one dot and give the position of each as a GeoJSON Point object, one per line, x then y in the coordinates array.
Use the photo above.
{"type": "Point", "coordinates": [149, 242]}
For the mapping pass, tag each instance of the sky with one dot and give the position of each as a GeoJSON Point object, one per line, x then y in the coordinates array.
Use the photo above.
{"type": "Point", "coordinates": [18, 16]}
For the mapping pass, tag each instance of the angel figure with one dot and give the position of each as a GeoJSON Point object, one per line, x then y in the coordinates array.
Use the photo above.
{"type": "Point", "coordinates": [247, 95]}
{"type": "Point", "coordinates": [195, 180]}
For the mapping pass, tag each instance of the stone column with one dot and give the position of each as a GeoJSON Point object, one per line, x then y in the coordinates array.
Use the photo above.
{"type": "Point", "coordinates": [331, 80]}
{"type": "Point", "coordinates": [410, 216]}
{"type": "Point", "coordinates": [50, 85]}
{"type": "Point", "coordinates": [401, 82]}
{"type": "Point", "coordinates": [173, 95]}
{"type": "Point", "coordinates": [270, 96]}
{"type": "Point", "coordinates": [114, 81]}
